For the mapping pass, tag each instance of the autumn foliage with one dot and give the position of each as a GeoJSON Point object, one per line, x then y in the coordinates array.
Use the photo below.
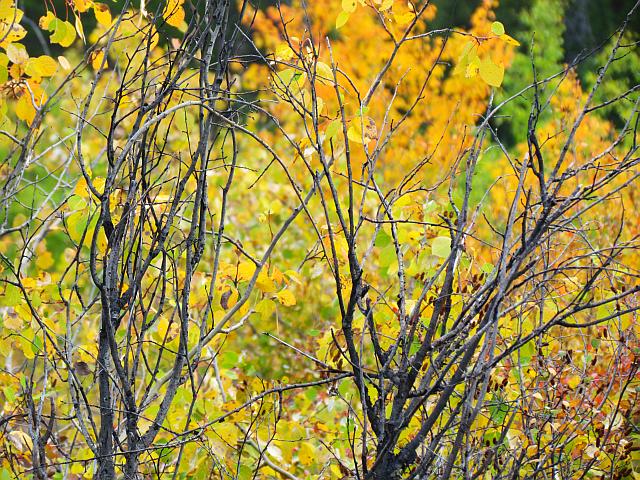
{"type": "Point", "coordinates": [292, 241]}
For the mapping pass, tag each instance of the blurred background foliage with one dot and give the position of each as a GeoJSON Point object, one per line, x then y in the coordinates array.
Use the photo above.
{"type": "Point", "coordinates": [552, 33]}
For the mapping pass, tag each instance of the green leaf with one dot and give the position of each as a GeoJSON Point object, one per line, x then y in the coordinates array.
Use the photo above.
{"type": "Point", "coordinates": [487, 268]}
{"type": "Point", "coordinates": [229, 359]}
{"type": "Point", "coordinates": [12, 296]}
{"type": "Point", "coordinates": [497, 28]}
{"type": "Point", "coordinates": [63, 32]}
{"type": "Point", "coordinates": [441, 247]}
{"type": "Point", "coordinates": [382, 240]}
{"type": "Point", "coordinates": [332, 129]}
{"type": "Point", "coordinates": [498, 410]}
{"type": "Point", "coordinates": [387, 255]}
{"type": "Point", "coordinates": [526, 352]}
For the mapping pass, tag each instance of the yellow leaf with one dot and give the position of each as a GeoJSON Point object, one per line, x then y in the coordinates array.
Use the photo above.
{"type": "Point", "coordinates": [25, 109]}
{"type": "Point", "coordinates": [245, 271]}
{"type": "Point", "coordinates": [293, 275]}
{"type": "Point", "coordinates": [102, 242]}
{"type": "Point", "coordinates": [384, 4]}
{"type": "Point", "coordinates": [7, 10]}
{"type": "Point", "coordinates": [265, 283]}
{"type": "Point", "coordinates": [82, 190]}
{"type": "Point", "coordinates": [13, 322]}
{"type": "Point", "coordinates": [349, 5]}
{"type": "Point", "coordinates": [573, 381]}
{"type": "Point", "coordinates": [76, 225]}
{"type": "Point", "coordinates": [44, 260]}
{"type": "Point", "coordinates": [286, 298]}
{"type": "Point", "coordinates": [82, 5]}
{"type": "Point", "coordinates": [472, 67]}
{"type": "Point", "coordinates": [23, 311]}
{"type": "Point", "coordinates": [11, 33]}
{"type": "Point", "coordinates": [324, 71]}
{"type": "Point", "coordinates": [306, 454]}
{"type": "Point", "coordinates": [277, 275]}
{"type": "Point", "coordinates": [265, 308]}
{"type": "Point", "coordinates": [96, 58]}
{"type": "Point", "coordinates": [98, 184]}
{"type": "Point", "coordinates": [284, 53]}
{"type": "Point", "coordinates": [46, 21]}
{"type": "Point", "coordinates": [174, 13]}
{"type": "Point", "coordinates": [228, 432]}
{"type": "Point", "coordinates": [404, 18]}
{"type": "Point", "coordinates": [342, 18]}
{"type": "Point", "coordinates": [491, 73]}
{"type": "Point", "coordinates": [17, 53]}
{"type": "Point", "coordinates": [354, 133]}
{"type": "Point", "coordinates": [42, 66]}
{"type": "Point", "coordinates": [102, 13]}
{"type": "Point", "coordinates": [510, 40]}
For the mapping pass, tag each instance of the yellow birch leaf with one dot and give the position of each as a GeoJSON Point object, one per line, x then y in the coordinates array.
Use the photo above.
{"type": "Point", "coordinates": [265, 308]}
{"type": "Point", "coordinates": [472, 67]}
{"type": "Point", "coordinates": [17, 53]}
{"type": "Point", "coordinates": [404, 18]}
{"type": "Point", "coordinates": [510, 40]}
{"type": "Point", "coordinates": [573, 381]}
{"type": "Point", "coordinates": [44, 260]}
{"type": "Point", "coordinates": [96, 58]}
{"type": "Point", "coordinates": [349, 5]}
{"type": "Point", "coordinates": [491, 73]}
{"type": "Point", "coordinates": [286, 298]}
{"type": "Point", "coordinates": [7, 10]}
{"type": "Point", "coordinates": [245, 271]}
{"type": "Point", "coordinates": [43, 66]}
{"type": "Point", "coordinates": [265, 283]}
{"type": "Point", "coordinates": [174, 13]}
{"type": "Point", "coordinates": [11, 33]}
{"type": "Point", "coordinates": [13, 322]}
{"type": "Point", "coordinates": [102, 13]}
{"type": "Point", "coordinates": [354, 133]}
{"type": "Point", "coordinates": [293, 275]}
{"type": "Point", "coordinates": [284, 53]}
{"type": "Point", "coordinates": [342, 19]}
{"type": "Point", "coordinates": [306, 454]}
{"type": "Point", "coordinates": [82, 5]}
{"type": "Point", "coordinates": [324, 71]}
{"type": "Point", "coordinates": [46, 21]}
{"type": "Point", "coordinates": [25, 109]}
